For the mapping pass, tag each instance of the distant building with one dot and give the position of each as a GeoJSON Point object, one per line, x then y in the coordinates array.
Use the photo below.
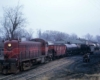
{"type": "Point", "coordinates": [77, 41]}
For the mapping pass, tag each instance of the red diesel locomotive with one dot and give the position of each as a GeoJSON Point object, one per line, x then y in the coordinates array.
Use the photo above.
{"type": "Point", "coordinates": [20, 55]}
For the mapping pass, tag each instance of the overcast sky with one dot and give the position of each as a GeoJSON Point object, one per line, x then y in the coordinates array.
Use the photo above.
{"type": "Point", "coordinates": [70, 16]}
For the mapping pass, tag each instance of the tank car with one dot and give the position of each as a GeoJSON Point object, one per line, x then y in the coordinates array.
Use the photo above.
{"type": "Point", "coordinates": [84, 49]}
{"type": "Point", "coordinates": [71, 49]}
{"type": "Point", "coordinates": [93, 48]}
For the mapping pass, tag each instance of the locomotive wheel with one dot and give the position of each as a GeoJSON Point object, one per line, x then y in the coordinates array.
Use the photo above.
{"type": "Point", "coordinates": [27, 66]}
{"type": "Point", "coordinates": [69, 54]}
{"type": "Point", "coordinates": [51, 58]}
{"type": "Point", "coordinates": [17, 71]}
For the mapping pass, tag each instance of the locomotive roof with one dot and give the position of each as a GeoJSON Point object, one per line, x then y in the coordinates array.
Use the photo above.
{"type": "Point", "coordinates": [39, 40]}
{"type": "Point", "coordinates": [24, 42]}
{"type": "Point", "coordinates": [29, 42]}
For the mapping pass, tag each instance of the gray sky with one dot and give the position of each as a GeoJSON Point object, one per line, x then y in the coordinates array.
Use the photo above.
{"type": "Point", "coordinates": [70, 16]}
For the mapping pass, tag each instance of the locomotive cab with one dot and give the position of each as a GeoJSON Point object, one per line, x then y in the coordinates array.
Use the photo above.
{"type": "Point", "coordinates": [21, 55]}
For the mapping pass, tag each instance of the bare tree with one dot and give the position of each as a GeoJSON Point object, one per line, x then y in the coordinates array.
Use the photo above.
{"type": "Point", "coordinates": [12, 21]}
{"type": "Point", "coordinates": [73, 36]}
{"type": "Point", "coordinates": [45, 35]}
{"type": "Point", "coordinates": [60, 36]}
{"type": "Point", "coordinates": [54, 35]}
{"type": "Point", "coordinates": [39, 33]}
{"type": "Point", "coordinates": [29, 34]}
{"type": "Point", "coordinates": [88, 37]}
{"type": "Point", "coordinates": [18, 34]}
{"type": "Point", "coordinates": [98, 38]}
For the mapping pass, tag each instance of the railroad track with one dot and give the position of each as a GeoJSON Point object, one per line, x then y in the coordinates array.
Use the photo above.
{"type": "Point", "coordinates": [27, 75]}
{"type": "Point", "coordinates": [3, 77]}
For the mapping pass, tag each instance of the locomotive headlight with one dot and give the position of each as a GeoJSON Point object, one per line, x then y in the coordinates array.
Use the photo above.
{"type": "Point", "coordinates": [9, 45]}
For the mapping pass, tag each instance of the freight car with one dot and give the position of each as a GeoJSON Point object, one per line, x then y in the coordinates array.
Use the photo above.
{"type": "Point", "coordinates": [84, 48]}
{"type": "Point", "coordinates": [56, 50]}
{"type": "Point", "coordinates": [72, 49]}
{"type": "Point", "coordinates": [88, 49]}
{"type": "Point", "coordinates": [93, 49]}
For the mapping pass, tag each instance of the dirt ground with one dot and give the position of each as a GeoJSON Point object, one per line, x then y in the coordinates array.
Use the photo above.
{"type": "Point", "coordinates": [75, 71]}
{"type": "Point", "coordinates": [68, 68]}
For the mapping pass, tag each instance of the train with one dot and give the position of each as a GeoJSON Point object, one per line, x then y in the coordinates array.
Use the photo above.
{"type": "Point", "coordinates": [17, 55]}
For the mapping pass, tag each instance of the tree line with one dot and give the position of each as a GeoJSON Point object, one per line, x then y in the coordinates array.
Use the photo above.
{"type": "Point", "coordinates": [13, 25]}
